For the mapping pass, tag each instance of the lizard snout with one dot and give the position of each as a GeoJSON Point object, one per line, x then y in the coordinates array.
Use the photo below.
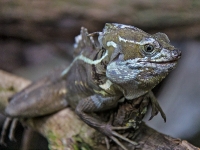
{"type": "Point", "coordinates": [176, 54]}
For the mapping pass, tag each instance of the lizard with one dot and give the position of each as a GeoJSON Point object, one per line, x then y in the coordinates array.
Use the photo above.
{"type": "Point", "coordinates": [124, 63]}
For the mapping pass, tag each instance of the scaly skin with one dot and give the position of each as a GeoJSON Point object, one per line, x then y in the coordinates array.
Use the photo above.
{"type": "Point", "coordinates": [127, 64]}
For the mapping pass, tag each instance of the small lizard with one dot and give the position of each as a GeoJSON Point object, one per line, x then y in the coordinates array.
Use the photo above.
{"type": "Point", "coordinates": [124, 63]}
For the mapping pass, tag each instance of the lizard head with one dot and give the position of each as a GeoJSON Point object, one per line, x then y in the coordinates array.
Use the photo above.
{"type": "Point", "coordinates": [137, 61]}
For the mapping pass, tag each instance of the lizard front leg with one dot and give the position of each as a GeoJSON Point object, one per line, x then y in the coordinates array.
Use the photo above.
{"type": "Point", "coordinates": [155, 106]}
{"type": "Point", "coordinates": [98, 103]}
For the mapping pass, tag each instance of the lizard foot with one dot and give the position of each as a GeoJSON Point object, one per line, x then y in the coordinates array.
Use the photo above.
{"type": "Point", "coordinates": [155, 107]}
{"type": "Point", "coordinates": [11, 132]}
{"type": "Point", "coordinates": [114, 136]}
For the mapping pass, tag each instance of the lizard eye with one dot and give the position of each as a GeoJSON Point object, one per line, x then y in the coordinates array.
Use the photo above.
{"type": "Point", "coordinates": [148, 48]}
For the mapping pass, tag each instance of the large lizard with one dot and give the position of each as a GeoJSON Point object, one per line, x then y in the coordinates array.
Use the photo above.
{"type": "Point", "coordinates": [124, 63]}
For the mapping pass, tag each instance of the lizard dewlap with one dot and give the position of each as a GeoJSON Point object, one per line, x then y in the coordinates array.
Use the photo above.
{"type": "Point", "coordinates": [124, 63]}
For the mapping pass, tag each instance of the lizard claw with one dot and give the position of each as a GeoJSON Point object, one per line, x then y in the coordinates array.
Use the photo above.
{"type": "Point", "coordinates": [107, 143]}
{"type": "Point", "coordinates": [113, 135]}
{"type": "Point", "coordinates": [123, 138]}
{"type": "Point", "coordinates": [118, 143]}
{"type": "Point", "coordinates": [11, 132]}
{"type": "Point", "coordinates": [4, 129]}
{"type": "Point", "coordinates": [155, 107]}
{"type": "Point", "coordinates": [12, 129]}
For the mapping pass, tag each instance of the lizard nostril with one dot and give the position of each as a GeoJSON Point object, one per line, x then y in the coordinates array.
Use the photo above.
{"type": "Point", "coordinates": [176, 53]}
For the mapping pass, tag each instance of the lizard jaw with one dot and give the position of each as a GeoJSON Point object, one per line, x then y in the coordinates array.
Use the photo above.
{"type": "Point", "coordinates": [174, 60]}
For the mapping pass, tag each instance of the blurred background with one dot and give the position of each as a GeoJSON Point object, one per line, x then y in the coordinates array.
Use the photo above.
{"type": "Point", "coordinates": [37, 36]}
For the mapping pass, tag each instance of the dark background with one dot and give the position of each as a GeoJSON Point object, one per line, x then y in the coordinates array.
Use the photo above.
{"type": "Point", "coordinates": [36, 36]}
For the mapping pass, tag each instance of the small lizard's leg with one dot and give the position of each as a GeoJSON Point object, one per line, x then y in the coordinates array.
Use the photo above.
{"type": "Point", "coordinates": [97, 103]}
{"type": "Point", "coordinates": [155, 107]}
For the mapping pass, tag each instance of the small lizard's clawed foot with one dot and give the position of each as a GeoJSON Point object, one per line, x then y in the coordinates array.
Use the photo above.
{"type": "Point", "coordinates": [11, 132]}
{"type": "Point", "coordinates": [155, 107]}
{"type": "Point", "coordinates": [4, 129]}
{"type": "Point", "coordinates": [108, 130]}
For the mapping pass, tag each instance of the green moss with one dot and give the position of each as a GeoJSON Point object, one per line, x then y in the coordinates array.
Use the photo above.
{"type": "Point", "coordinates": [51, 136]}
{"type": "Point", "coordinates": [80, 144]}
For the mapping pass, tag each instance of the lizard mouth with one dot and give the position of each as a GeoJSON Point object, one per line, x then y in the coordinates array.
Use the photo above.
{"type": "Point", "coordinates": [173, 60]}
{"type": "Point", "coordinates": [145, 63]}
{"type": "Point", "coordinates": [141, 62]}
{"type": "Point", "coordinates": [160, 62]}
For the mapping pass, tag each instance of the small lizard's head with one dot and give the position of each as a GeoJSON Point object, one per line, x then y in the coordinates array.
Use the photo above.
{"type": "Point", "coordinates": [137, 61]}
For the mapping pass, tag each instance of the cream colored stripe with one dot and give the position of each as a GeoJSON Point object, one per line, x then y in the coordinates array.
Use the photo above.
{"type": "Point", "coordinates": [86, 60]}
